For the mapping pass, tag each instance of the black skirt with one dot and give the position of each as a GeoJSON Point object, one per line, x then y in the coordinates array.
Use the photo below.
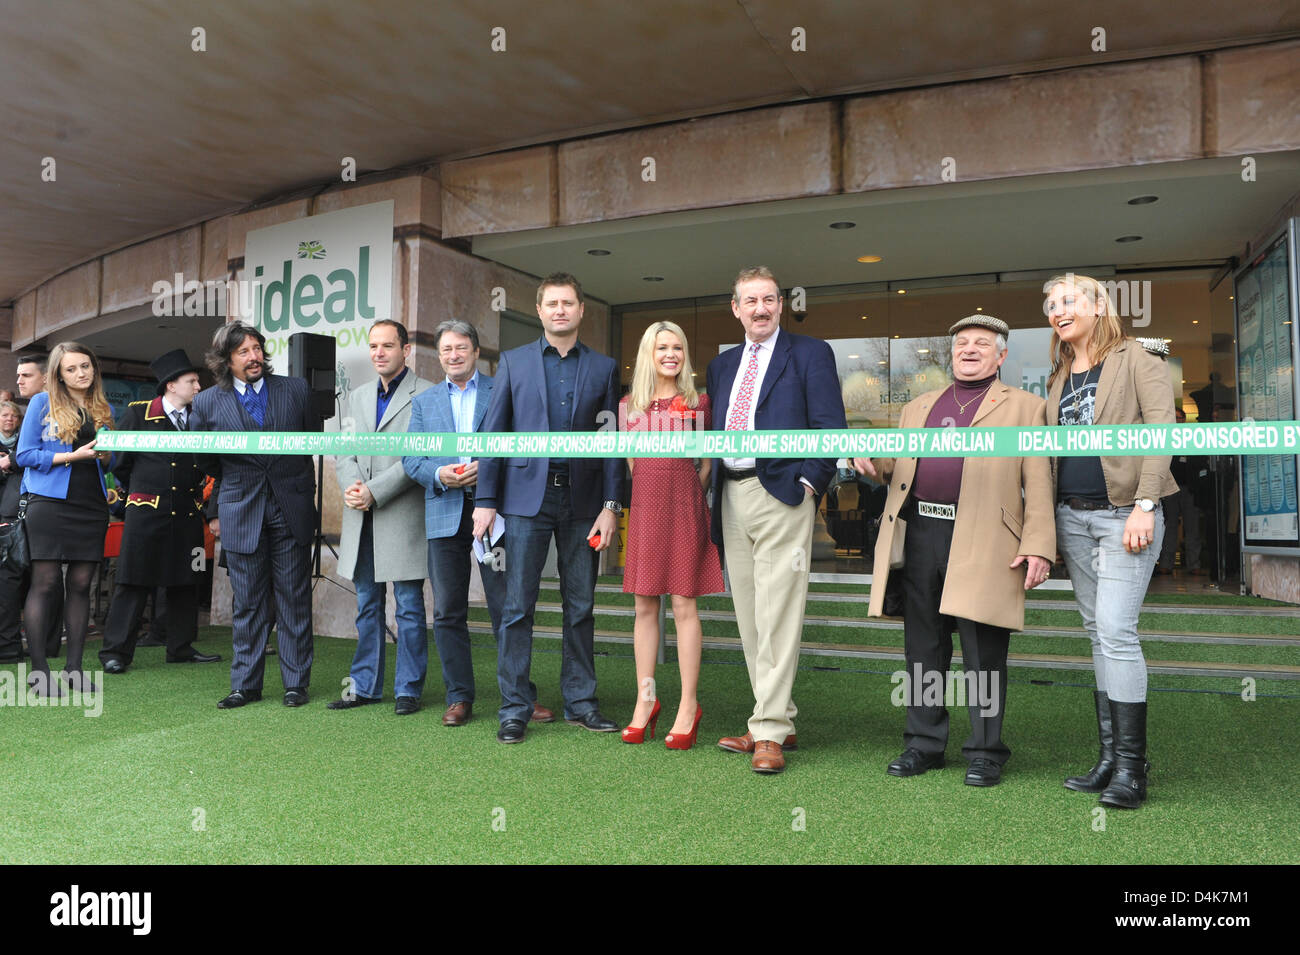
{"type": "Point", "coordinates": [72, 528]}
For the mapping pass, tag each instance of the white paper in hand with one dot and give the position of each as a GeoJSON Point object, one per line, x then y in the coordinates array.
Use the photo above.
{"type": "Point", "coordinates": [493, 535]}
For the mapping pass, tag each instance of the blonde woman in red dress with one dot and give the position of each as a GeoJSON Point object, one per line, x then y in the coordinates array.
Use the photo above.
{"type": "Point", "coordinates": [668, 545]}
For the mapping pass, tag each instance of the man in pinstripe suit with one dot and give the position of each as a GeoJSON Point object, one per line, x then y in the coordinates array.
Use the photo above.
{"type": "Point", "coordinates": [265, 512]}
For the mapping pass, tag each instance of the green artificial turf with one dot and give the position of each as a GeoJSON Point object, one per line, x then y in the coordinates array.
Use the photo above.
{"type": "Point", "coordinates": [163, 776]}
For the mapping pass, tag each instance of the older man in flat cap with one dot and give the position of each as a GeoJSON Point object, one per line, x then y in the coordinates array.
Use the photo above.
{"type": "Point", "coordinates": [979, 532]}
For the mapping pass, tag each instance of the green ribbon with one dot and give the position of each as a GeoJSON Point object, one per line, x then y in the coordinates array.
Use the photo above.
{"type": "Point", "coordinates": [1229, 438]}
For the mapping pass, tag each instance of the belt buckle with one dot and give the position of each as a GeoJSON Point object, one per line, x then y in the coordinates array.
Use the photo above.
{"type": "Point", "coordinates": [947, 512]}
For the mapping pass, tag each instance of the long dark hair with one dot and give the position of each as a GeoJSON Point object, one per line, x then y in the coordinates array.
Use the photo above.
{"type": "Point", "coordinates": [225, 342]}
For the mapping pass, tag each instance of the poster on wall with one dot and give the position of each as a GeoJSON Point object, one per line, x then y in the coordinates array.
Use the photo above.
{"type": "Point", "coordinates": [330, 274]}
{"type": "Point", "coordinates": [120, 392]}
{"type": "Point", "coordinates": [1265, 296]}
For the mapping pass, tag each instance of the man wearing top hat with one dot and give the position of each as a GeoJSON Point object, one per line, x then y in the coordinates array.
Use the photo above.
{"type": "Point", "coordinates": [979, 533]}
{"type": "Point", "coordinates": [162, 542]}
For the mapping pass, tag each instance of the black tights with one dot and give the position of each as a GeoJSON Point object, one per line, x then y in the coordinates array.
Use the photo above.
{"type": "Point", "coordinates": [47, 577]}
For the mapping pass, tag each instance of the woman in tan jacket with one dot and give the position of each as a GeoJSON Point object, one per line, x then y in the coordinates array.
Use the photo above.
{"type": "Point", "coordinates": [1109, 525]}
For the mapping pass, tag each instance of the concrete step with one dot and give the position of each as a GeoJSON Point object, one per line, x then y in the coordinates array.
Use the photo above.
{"type": "Point", "coordinates": [1041, 604]}
{"type": "Point", "coordinates": [893, 623]}
{"type": "Point", "coordinates": [1043, 661]}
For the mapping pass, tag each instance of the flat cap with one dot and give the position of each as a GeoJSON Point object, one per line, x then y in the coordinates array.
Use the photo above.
{"type": "Point", "coordinates": [982, 321]}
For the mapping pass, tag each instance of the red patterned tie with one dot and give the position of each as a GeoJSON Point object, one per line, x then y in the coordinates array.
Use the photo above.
{"type": "Point", "coordinates": [738, 416]}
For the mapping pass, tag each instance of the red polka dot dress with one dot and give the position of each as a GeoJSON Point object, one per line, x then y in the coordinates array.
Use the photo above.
{"type": "Point", "coordinates": [668, 545]}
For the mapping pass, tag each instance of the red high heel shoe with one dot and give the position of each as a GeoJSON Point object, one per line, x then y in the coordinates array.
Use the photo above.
{"type": "Point", "coordinates": [685, 741]}
{"type": "Point", "coordinates": [636, 734]}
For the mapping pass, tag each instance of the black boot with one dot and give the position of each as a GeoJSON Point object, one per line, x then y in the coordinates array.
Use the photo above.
{"type": "Point", "coordinates": [1097, 778]}
{"type": "Point", "coordinates": [1128, 784]}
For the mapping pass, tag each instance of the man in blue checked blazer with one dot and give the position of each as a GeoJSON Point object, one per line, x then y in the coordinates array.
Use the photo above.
{"type": "Point", "coordinates": [266, 512]}
{"type": "Point", "coordinates": [457, 404]}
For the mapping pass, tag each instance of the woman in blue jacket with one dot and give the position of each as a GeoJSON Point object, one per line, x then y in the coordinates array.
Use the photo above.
{"type": "Point", "coordinates": [67, 509]}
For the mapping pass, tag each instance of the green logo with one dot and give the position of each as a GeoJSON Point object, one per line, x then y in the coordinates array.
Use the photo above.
{"type": "Point", "coordinates": [343, 295]}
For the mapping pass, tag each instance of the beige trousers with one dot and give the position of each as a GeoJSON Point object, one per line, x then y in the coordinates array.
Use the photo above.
{"type": "Point", "coordinates": [768, 547]}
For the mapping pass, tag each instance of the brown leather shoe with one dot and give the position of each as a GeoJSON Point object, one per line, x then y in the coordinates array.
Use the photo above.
{"type": "Point", "coordinates": [745, 744]}
{"type": "Point", "coordinates": [457, 714]}
{"type": "Point", "coordinates": [542, 715]}
{"type": "Point", "coordinates": [767, 757]}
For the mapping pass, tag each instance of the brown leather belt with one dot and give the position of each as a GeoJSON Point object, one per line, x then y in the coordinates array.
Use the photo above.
{"type": "Point", "coordinates": [731, 475]}
{"type": "Point", "coordinates": [1079, 504]}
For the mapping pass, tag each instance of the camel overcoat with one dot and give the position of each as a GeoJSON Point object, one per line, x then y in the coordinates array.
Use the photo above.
{"type": "Point", "coordinates": [1004, 509]}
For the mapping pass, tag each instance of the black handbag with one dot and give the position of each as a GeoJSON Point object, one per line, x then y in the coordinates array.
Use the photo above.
{"type": "Point", "coordinates": [14, 552]}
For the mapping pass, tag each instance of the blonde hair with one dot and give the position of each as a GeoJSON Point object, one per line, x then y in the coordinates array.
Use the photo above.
{"type": "Point", "coordinates": [65, 413]}
{"type": "Point", "coordinates": [1107, 334]}
{"type": "Point", "coordinates": [644, 376]}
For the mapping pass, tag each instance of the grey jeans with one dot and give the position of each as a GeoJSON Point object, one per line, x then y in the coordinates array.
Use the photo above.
{"type": "Point", "coordinates": [1109, 586]}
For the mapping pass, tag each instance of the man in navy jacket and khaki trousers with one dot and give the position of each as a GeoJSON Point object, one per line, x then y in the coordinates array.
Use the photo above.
{"type": "Point", "coordinates": [764, 509]}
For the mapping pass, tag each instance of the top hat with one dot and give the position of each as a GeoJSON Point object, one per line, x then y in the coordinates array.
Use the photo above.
{"type": "Point", "coordinates": [171, 366]}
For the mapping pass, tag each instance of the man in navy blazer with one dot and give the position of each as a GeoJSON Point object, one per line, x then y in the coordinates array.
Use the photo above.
{"type": "Point", "coordinates": [554, 384]}
{"type": "Point", "coordinates": [764, 509]}
{"type": "Point", "coordinates": [456, 405]}
{"type": "Point", "coordinates": [266, 512]}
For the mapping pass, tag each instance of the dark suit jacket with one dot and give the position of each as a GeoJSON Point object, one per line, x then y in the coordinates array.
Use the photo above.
{"type": "Point", "coordinates": [246, 481]}
{"type": "Point", "coordinates": [801, 389]}
{"type": "Point", "coordinates": [515, 485]}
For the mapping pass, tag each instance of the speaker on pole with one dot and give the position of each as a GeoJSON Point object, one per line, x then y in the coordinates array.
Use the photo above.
{"type": "Point", "coordinates": [312, 357]}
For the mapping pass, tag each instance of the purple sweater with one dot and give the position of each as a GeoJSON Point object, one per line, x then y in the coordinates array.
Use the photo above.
{"type": "Point", "coordinates": [938, 480]}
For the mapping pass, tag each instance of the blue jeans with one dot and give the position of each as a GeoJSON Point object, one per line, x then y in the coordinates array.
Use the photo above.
{"type": "Point", "coordinates": [412, 636]}
{"type": "Point", "coordinates": [527, 542]}
{"type": "Point", "coordinates": [1109, 586]}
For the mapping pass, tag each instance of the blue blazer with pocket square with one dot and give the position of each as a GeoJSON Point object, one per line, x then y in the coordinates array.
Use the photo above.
{"type": "Point", "coordinates": [516, 486]}
{"type": "Point", "coordinates": [431, 412]}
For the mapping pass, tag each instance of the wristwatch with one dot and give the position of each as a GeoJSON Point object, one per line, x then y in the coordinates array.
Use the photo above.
{"type": "Point", "coordinates": [614, 506]}
{"type": "Point", "coordinates": [1146, 504]}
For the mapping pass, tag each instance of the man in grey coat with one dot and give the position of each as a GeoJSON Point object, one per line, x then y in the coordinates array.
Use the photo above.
{"type": "Point", "coordinates": [383, 540]}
